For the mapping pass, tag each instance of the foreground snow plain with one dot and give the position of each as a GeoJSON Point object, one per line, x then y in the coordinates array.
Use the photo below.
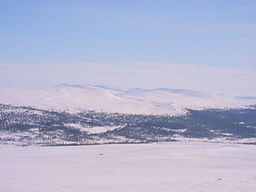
{"type": "Point", "coordinates": [129, 168]}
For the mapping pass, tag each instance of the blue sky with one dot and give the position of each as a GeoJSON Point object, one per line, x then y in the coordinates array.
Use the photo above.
{"type": "Point", "coordinates": [130, 43]}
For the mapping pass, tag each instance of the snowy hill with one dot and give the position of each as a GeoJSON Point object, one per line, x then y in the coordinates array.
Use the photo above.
{"type": "Point", "coordinates": [77, 98]}
{"type": "Point", "coordinates": [28, 126]}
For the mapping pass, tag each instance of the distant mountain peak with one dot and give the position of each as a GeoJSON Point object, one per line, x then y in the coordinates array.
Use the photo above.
{"type": "Point", "coordinates": [70, 85]}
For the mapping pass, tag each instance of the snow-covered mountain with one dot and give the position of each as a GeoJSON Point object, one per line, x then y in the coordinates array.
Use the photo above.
{"type": "Point", "coordinates": [77, 98]}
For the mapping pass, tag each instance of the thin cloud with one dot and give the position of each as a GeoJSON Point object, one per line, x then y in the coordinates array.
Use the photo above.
{"type": "Point", "coordinates": [225, 28]}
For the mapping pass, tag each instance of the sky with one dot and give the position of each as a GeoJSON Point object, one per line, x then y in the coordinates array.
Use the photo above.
{"type": "Point", "coordinates": [207, 45]}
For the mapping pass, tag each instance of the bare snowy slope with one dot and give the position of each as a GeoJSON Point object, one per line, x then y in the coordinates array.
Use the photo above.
{"type": "Point", "coordinates": [99, 98]}
{"type": "Point", "coordinates": [175, 167]}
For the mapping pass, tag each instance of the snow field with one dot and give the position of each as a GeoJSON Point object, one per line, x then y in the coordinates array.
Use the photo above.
{"type": "Point", "coordinates": [176, 167]}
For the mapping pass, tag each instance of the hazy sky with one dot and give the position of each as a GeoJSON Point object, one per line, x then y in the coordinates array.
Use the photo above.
{"type": "Point", "coordinates": [196, 44]}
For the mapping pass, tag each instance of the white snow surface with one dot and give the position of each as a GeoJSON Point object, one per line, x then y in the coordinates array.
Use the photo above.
{"type": "Point", "coordinates": [155, 101]}
{"type": "Point", "coordinates": [176, 167]}
{"type": "Point", "coordinates": [93, 130]}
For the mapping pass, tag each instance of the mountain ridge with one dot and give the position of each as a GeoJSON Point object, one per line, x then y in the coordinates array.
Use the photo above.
{"type": "Point", "coordinates": [77, 98]}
